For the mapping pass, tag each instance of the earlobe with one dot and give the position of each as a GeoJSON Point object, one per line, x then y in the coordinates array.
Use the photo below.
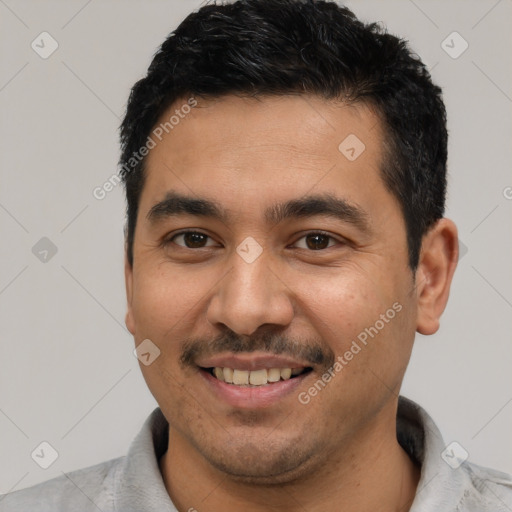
{"type": "Point", "coordinates": [438, 260]}
{"type": "Point", "coordinates": [128, 277]}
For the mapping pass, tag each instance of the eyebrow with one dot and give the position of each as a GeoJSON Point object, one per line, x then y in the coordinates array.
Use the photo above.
{"type": "Point", "coordinates": [326, 205]}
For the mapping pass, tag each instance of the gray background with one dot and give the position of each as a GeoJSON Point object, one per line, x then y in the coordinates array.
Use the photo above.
{"type": "Point", "coordinates": [67, 372]}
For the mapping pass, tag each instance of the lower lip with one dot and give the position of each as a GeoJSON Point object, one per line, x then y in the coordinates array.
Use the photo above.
{"type": "Point", "coordinates": [252, 397]}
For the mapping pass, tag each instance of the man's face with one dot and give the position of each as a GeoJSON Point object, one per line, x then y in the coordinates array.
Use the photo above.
{"type": "Point", "coordinates": [254, 283]}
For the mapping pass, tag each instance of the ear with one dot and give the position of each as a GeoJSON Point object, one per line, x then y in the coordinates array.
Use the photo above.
{"type": "Point", "coordinates": [438, 260]}
{"type": "Point", "coordinates": [128, 278]}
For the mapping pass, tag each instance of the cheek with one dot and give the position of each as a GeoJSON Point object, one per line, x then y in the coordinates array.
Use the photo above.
{"type": "Point", "coordinates": [164, 298]}
{"type": "Point", "coordinates": [341, 304]}
{"type": "Point", "coordinates": [362, 316]}
{"type": "Point", "coordinates": [368, 326]}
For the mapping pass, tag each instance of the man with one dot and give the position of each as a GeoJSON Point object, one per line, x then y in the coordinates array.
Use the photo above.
{"type": "Point", "coordinates": [285, 172]}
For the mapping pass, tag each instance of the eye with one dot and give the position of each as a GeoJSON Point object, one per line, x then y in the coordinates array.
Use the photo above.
{"type": "Point", "coordinates": [191, 239]}
{"type": "Point", "coordinates": [313, 241]}
{"type": "Point", "coordinates": [317, 240]}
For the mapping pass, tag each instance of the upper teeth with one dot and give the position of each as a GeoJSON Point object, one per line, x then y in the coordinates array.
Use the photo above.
{"type": "Point", "coordinates": [254, 377]}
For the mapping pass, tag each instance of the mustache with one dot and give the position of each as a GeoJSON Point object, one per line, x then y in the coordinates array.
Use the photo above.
{"type": "Point", "coordinates": [312, 352]}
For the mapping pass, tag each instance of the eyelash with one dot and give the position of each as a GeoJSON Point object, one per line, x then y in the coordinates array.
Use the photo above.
{"type": "Point", "coordinates": [170, 239]}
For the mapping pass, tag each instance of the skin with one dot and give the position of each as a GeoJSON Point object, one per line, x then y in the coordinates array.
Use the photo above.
{"type": "Point", "coordinates": [339, 451]}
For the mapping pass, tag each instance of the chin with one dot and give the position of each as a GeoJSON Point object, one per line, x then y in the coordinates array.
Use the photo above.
{"type": "Point", "coordinates": [263, 464]}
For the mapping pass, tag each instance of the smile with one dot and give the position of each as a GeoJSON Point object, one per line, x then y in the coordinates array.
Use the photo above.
{"type": "Point", "coordinates": [260, 377]}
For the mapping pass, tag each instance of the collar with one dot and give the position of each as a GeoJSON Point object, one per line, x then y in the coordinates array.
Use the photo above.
{"type": "Point", "coordinates": [138, 483]}
{"type": "Point", "coordinates": [440, 487]}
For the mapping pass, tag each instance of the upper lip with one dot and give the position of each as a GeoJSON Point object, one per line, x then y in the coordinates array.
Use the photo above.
{"type": "Point", "coordinates": [251, 361]}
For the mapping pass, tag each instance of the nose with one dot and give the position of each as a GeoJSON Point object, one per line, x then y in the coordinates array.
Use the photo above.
{"type": "Point", "coordinates": [249, 296]}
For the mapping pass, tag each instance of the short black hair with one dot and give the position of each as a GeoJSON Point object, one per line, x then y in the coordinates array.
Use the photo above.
{"type": "Point", "coordinates": [278, 47]}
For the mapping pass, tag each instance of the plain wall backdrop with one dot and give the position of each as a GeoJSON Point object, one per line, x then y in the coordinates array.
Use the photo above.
{"type": "Point", "coordinates": [68, 375]}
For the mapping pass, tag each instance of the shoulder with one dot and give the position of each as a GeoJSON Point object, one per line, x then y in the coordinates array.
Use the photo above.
{"type": "Point", "coordinates": [487, 489]}
{"type": "Point", "coordinates": [463, 486]}
{"type": "Point", "coordinates": [82, 490]}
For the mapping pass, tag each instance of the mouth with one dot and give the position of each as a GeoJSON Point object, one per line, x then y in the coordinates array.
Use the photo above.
{"type": "Point", "coordinates": [255, 378]}
{"type": "Point", "coordinates": [253, 381]}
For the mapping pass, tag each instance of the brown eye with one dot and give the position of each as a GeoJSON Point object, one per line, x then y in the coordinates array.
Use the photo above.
{"type": "Point", "coordinates": [191, 239]}
{"type": "Point", "coordinates": [316, 241]}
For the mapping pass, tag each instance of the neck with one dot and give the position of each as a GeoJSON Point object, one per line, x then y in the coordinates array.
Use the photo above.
{"type": "Point", "coordinates": [370, 472]}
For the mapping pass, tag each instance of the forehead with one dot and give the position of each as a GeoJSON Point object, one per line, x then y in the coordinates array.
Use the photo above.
{"type": "Point", "coordinates": [250, 148]}
{"type": "Point", "coordinates": [305, 123]}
